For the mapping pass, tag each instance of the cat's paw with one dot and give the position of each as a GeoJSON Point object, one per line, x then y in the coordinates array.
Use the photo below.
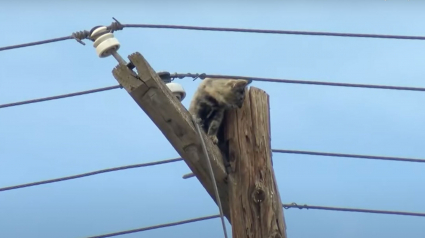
{"type": "Point", "coordinates": [214, 139]}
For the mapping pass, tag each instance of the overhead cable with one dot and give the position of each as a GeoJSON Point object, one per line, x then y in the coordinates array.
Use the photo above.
{"type": "Point", "coordinates": [263, 31]}
{"type": "Point", "coordinates": [80, 35]}
{"type": "Point", "coordinates": [192, 175]}
{"type": "Point", "coordinates": [286, 206]}
{"type": "Point", "coordinates": [349, 155]}
{"type": "Point", "coordinates": [155, 227]}
{"type": "Point", "coordinates": [211, 172]}
{"type": "Point", "coordinates": [274, 80]}
{"type": "Point", "coordinates": [90, 174]}
{"type": "Point", "coordinates": [59, 96]}
{"type": "Point", "coordinates": [342, 209]}
{"type": "Point", "coordinates": [202, 76]}
{"type": "Point", "coordinates": [35, 43]}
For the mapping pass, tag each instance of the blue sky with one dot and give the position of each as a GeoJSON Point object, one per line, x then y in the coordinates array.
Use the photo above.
{"type": "Point", "coordinates": [80, 134]}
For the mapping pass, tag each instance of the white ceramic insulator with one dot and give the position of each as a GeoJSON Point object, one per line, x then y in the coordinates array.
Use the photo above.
{"type": "Point", "coordinates": [177, 90]}
{"type": "Point", "coordinates": [106, 43]}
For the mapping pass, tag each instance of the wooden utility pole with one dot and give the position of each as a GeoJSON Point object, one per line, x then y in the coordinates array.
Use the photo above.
{"type": "Point", "coordinates": [174, 121]}
{"type": "Point", "coordinates": [255, 206]}
{"type": "Point", "coordinates": [249, 195]}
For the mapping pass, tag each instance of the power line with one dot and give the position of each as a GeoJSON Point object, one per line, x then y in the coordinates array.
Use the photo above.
{"type": "Point", "coordinates": [115, 26]}
{"type": "Point", "coordinates": [286, 206]}
{"type": "Point", "coordinates": [274, 80]}
{"type": "Point", "coordinates": [59, 96]}
{"type": "Point", "coordinates": [202, 76]}
{"type": "Point", "coordinates": [294, 205]}
{"type": "Point", "coordinates": [211, 172]}
{"type": "Point", "coordinates": [349, 155]}
{"type": "Point", "coordinates": [199, 28]}
{"type": "Point", "coordinates": [191, 174]}
{"type": "Point", "coordinates": [78, 36]}
{"type": "Point", "coordinates": [156, 227]}
{"type": "Point", "coordinates": [36, 43]}
{"type": "Point", "coordinates": [90, 174]}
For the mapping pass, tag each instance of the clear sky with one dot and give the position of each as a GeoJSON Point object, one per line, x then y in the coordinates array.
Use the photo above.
{"type": "Point", "coordinates": [81, 134]}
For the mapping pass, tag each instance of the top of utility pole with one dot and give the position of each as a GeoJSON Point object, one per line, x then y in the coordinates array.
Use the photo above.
{"type": "Point", "coordinates": [172, 118]}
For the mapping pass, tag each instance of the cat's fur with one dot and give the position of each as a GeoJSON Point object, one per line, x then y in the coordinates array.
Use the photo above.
{"type": "Point", "coordinates": [212, 98]}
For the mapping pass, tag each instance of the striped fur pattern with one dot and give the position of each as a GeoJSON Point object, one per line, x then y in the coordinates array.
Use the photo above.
{"type": "Point", "coordinates": [212, 98]}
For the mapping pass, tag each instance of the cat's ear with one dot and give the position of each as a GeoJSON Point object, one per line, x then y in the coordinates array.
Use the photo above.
{"type": "Point", "coordinates": [238, 83]}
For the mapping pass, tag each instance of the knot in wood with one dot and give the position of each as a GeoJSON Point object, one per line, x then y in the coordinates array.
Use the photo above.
{"type": "Point", "coordinates": [259, 194]}
{"type": "Point", "coordinates": [226, 179]}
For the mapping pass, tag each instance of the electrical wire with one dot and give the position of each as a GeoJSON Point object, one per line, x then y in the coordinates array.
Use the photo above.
{"type": "Point", "coordinates": [274, 80]}
{"type": "Point", "coordinates": [349, 155]}
{"type": "Point", "coordinates": [211, 172]}
{"type": "Point", "coordinates": [286, 206]}
{"type": "Point", "coordinates": [312, 33]}
{"type": "Point", "coordinates": [342, 209]}
{"type": "Point", "coordinates": [156, 227]}
{"type": "Point", "coordinates": [90, 174]}
{"type": "Point", "coordinates": [79, 36]}
{"type": "Point", "coordinates": [189, 175]}
{"type": "Point", "coordinates": [202, 76]}
{"type": "Point", "coordinates": [36, 43]}
{"type": "Point", "coordinates": [59, 96]}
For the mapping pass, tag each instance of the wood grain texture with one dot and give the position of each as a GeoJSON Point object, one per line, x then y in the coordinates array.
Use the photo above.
{"type": "Point", "coordinates": [255, 206]}
{"type": "Point", "coordinates": [174, 121]}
